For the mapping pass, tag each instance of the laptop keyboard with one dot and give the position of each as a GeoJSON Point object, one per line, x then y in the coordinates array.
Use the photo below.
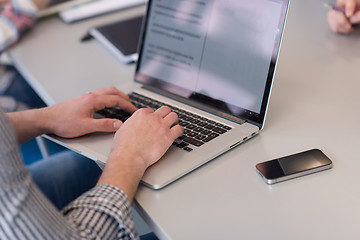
{"type": "Point", "coordinates": [197, 130]}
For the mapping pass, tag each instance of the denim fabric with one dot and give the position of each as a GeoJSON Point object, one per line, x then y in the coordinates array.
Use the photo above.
{"type": "Point", "coordinates": [64, 176]}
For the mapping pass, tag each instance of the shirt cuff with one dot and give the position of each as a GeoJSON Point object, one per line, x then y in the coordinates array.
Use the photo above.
{"type": "Point", "coordinates": [110, 203]}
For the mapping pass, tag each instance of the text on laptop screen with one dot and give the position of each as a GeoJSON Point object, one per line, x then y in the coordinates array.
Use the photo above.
{"type": "Point", "coordinates": [219, 52]}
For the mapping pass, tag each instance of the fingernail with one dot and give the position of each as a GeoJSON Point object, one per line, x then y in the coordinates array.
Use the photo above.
{"type": "Point", "coordinates": [354, 19]}
{"type": "Point", "coordinates": [116, 125]}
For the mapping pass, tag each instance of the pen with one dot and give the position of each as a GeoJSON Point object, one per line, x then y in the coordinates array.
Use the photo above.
{"type": "Point", "coordinates": [86, 37]}
{"type": "Point", "coordinates": [334, 7]}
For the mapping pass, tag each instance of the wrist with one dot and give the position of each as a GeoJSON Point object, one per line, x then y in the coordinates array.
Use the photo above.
{"type": "Point", "coordinates": [123, 159]}
{"type": "Point", "coordinates": [29, 124]}
{"type": "Point", "coordinates": [44, 122]}
{"type": "Point", "coordinates": [123, 171]}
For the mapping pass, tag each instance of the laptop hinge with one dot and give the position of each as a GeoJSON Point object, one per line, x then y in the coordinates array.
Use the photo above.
{"type": "Point", "coordinates": [192, 103]}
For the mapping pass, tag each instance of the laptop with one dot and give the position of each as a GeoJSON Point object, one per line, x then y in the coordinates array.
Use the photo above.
{"type": "Point", "coordinates": [213, 63]}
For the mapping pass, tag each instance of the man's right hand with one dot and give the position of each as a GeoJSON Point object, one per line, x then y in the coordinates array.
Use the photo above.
{"type": "Point", "coordinates": [342, 23]}
{"type": "Point", "coordinates": [140, 142]}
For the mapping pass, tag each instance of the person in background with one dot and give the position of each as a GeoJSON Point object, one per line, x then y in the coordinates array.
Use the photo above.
{"type": "Point", "coordinates": [16, 18]}
{"type": "Point", "coordinates": [103, 212]}
{"type": "Point", "coordinates": [343, 18]}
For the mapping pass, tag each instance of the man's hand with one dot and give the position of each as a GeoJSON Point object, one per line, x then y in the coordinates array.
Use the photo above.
{"type": "Point", "coordinates": [141, 141]}
{"type": "Point", "coordinates": [75, 117]}
{"type": "Point", "coordinates": [342, 23]}
{"type": "Point", "coordinates": [147, 134]}
{"type": "Point", "coordinates": [72, 118]}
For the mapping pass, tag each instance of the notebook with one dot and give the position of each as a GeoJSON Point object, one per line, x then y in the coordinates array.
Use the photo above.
{"type": "Point", "coordinates": [211, 61]}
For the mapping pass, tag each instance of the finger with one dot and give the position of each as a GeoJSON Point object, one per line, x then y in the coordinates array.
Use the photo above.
{"type": "Point", "coordinates": [163, 111]}
{"type": "Point", "coordinates": [127, 106]}
{"type": "Point", "coordinates": [350, 7]}
{"type": "Point", "coordinates": [103, 125]}
{"type": "Point", "coordinates": [177, 131]}
{"type": "Point", "coordinates": [111, 91]}
{"type": "Point", "coordinates": [111, 101]}
{"type": "Point", "coordinates": [355, 18]}
{"type": "Point", "coordinates": [142, 111]}
{"type": "Point", "coordinates": [346, 29]}
{"type": "Point", "coordinates": [343, 25]}
{"type": "Point", "coordinates": [171, 119]}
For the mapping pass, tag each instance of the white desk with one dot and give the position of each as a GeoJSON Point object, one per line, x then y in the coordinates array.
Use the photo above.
{"type": "Point", "coordinates": [314, 104]}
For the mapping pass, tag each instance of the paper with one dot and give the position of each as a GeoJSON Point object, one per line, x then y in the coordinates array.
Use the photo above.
{"type": "Point", "coordinates": [97, 8]}
{"type": "Point", "coordinates": [54, 9]}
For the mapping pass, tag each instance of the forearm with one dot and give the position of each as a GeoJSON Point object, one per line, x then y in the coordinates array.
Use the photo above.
{"type": "Point", "coordinates": [124, 172]}
{"type": "Point", "coordinates": [29, 124]}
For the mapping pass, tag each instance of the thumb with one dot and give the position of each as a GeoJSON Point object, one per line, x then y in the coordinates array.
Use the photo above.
{"type": "Point", "coordinates": [105, 125]}
{"type": "Point", "coordinates": [356, 18]}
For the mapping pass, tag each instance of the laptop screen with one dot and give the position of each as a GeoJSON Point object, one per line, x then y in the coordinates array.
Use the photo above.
{"type": "Point", "coordinates": [220, 53]}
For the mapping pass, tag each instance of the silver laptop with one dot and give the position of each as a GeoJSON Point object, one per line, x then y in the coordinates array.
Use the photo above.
{"type": "Point", "coordinates": [212, 62]}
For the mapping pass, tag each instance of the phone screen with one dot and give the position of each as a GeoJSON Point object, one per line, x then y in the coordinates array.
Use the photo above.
{"type": "Point", "coordinates": [294, 166]}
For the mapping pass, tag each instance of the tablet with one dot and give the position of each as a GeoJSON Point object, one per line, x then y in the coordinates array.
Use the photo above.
{"type": "Point", "coordinates": [120, 38]}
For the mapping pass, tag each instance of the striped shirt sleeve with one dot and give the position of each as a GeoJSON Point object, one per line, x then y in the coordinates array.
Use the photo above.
{"type": "Point", "coordinates": [25, 213]}
{"type": "Point", "coordinates": [104, 210]}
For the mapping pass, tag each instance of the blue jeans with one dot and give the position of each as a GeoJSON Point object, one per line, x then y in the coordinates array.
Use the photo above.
{"type": "Point", "coordinates": [22, 91]}
{"type": "Point", "coordinates": [64, 176]}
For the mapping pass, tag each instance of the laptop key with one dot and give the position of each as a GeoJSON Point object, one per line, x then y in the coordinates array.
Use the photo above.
{"type": "Point", "coordinates": [219, 130]}
{"type": "Point", "coordinates": [186, 131]}
{"type": "Point", "coordinates": [193, 141]}
{"type": "Point", "coordinates": [209, 126]}
{"type": "Point", "coordinates": [210, 137]}
{"type": "Point", "coordinates": [194, 121]}
{"type": "Point", "coordinates": [219, 125]}
{"type": "Point", "coordinates": [205, 132]}
{"type": "Point", "coordinates": [200, 137]}
{"type": "Point", "coordinates": [192, 134]}
{"type": "Point", "coordinates": [181, 138]}
{"type": "Point", "coordinates": [182, 145]}
{"type": "Point", "coordinates": [198, 129]}
{"type": "Point", "coordinates": [183, 123]}
{"type": "Point", "coordinates": [114, 113]}
{"type": "Point", "coordinates": [201, 124]}
{"type": "Point", "coordinates": [188, 149]}
{"type": "Point", "coordinates": [227, 127]}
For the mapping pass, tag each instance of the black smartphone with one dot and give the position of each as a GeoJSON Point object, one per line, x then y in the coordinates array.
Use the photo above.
{"type": "Point", "coordinates": [292, 166]}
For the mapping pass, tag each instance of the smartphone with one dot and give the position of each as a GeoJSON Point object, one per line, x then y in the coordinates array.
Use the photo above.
{"type": "Point", "coordinates": [292, 166]}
